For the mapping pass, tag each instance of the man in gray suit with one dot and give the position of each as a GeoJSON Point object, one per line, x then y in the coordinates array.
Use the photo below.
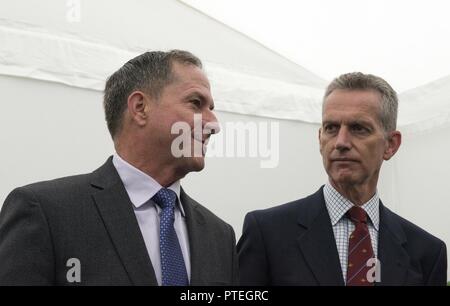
{"type": "Point", "coordinates": [129, 222]}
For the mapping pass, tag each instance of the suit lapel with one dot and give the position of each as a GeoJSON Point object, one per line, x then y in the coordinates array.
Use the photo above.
{"type": "Point", "coordinates": [117, 213]}
{"type": "Point", "coordinates": [317, 243]}
{"type": "Point", "coordinates": [197, 245]}
{"type": "Point", "coordinates": [393, 257]}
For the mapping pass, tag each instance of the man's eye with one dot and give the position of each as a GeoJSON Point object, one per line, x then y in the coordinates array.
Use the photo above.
{"type": "Point", "coordinates": [359, 128]}
{"type": "Point", "coordinates": [196, 102]}
{"type": "Point", "coordinates": [330, 128]}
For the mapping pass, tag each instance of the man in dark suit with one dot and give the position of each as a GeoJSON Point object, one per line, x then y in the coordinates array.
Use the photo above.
{"type": "Point", "coordinates": [128, 222]}
{"type": "Point", "coordinates": [343, 234]}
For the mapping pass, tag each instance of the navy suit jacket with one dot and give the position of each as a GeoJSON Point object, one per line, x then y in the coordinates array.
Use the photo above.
{"type": "Point", "coordinates": [293, 244]}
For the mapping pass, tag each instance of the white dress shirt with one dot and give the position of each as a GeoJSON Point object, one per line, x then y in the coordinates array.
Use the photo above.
{"type": "Point", "coordinates": [337, 207]}
{"type": "Point", "coordinates": [141, 188]}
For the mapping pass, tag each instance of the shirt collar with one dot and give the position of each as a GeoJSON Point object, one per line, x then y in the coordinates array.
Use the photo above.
{"type": "Point", "coordinates": [140, 186]}
{"type": "Point", "coordinates": [338, 205]}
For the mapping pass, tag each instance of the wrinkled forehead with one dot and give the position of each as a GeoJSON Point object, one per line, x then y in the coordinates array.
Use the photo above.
{"type": "Point", "coordinates": [191, 81]}
{"type": "Point", "coordinates": [351, 99]}
{"type": "Point", "coordinates": [351, 104]}
{"type": "Point", "coordinates": [186, 74]}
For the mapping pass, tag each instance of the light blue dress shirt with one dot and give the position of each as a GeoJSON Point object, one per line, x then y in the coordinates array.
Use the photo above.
{"type": "Point", "coordinates": [141, 188]}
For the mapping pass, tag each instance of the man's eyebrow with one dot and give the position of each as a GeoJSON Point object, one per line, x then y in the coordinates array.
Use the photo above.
{"type": "Point", "coordinates": [329, 122]}
{"type": "Point", "coordinates": [351, 122]}
{"type": "Point", "coordinates": [361, 122]}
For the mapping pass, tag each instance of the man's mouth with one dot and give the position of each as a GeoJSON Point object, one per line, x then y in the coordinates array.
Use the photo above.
{"type": "Point", "coordinates": [344, 160]}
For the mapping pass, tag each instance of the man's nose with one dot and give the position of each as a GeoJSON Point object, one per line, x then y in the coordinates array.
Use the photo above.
{"type": "Point", "coordinates": [210, 123]}
{"type": "Point", "coordinates": [343, 139]}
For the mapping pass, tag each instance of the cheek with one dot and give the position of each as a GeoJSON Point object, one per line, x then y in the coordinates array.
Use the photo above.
{"type": "Point", "coordinates": [326, 147]}
{"type": "Point", "coordinates": [178, 119]}
{"type": "Point", "coordinates": [375, 152]}
{"type": "Point", "coordinates": [322, 144]}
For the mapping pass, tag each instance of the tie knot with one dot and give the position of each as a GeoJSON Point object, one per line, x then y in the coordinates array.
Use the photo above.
{"type": "Point", "coordinates": [165, 198]}
{"type": "Point", "coordinates": [357, 215]}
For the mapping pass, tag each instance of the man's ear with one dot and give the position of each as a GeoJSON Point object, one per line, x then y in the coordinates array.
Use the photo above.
{"type": "Point", "coordinates": [138, 107]}
{"type": "Point", "coordinates": [394, 140]}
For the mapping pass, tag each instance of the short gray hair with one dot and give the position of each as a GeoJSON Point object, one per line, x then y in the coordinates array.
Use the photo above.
{"type": "Point", "coordinates": [149, 72]}
{"type": "Point", "coordinates": [358, 80]}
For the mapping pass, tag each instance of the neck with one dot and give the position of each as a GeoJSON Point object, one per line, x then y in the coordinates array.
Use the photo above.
{"type": "Point", "coordinates": [357, 194]}
{"type": "Point", "coordinates": [151, 163]}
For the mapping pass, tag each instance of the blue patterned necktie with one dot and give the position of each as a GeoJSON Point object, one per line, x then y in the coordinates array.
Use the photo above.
{"type": "Point", "coordinates": [172, 263]}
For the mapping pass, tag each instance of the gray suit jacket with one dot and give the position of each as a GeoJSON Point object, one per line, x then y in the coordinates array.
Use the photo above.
{"type": "Point", "coordinates": [90, 217]}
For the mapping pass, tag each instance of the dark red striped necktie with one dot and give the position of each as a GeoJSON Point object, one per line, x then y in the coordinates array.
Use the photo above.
{"type": "Point", "coordinates": [359, 249]}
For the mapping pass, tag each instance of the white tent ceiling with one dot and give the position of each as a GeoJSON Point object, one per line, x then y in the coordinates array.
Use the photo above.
{"type": "Point", "coordinates": [406, 42]}
{"type": "Point", "coordinates": [247, 78]}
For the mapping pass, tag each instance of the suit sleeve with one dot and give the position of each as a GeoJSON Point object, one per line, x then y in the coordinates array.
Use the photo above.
{"type": "Point", "coordinates": [26, 251]}
{"type": "Point", "coordinates": [253, 266]}
{"type": "Point", "coordinates": [438, 275]}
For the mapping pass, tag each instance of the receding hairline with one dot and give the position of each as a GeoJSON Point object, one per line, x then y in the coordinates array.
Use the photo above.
{"type": "Point", "coordinates": [372, 90]}
{"type": "Point", "coordinates": [175, 77]}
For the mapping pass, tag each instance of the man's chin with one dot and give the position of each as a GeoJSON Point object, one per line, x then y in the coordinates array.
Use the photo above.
{"type": "Point", "coordinates": [196, 164]}
{"type": "Point", "coordinates": [343, 179]}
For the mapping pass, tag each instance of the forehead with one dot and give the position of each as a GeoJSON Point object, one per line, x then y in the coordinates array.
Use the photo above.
{"type": "Point", "coordinates": [352, 105]}
{"type": "Point", "coordinates": [189, 75]}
